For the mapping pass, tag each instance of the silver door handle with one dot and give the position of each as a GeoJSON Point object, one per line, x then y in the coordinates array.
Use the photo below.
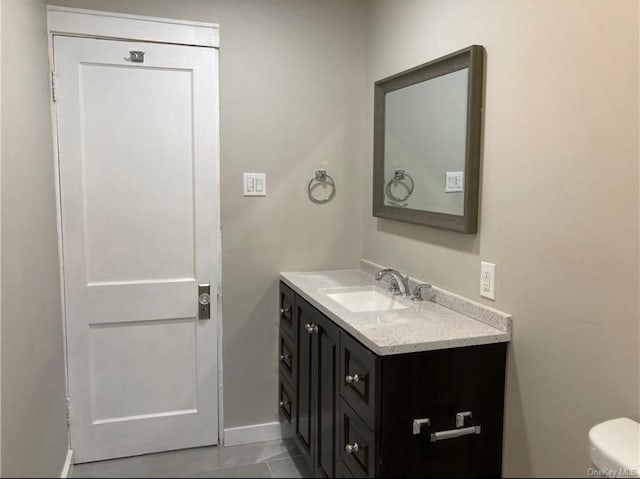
{"type": "Point", "coordinates": [204, 301]}
{"type": "Point", "coordinates": [311, 328]}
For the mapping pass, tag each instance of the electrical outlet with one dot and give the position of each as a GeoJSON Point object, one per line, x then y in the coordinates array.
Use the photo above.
{"type": "Point", "coordinates": [488, 280]}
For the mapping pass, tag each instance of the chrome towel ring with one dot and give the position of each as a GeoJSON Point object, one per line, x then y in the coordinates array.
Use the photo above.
{"type": "Point", "coordinates": [399, 177]}
{"type": "Point", "coordinates": [321, 178]}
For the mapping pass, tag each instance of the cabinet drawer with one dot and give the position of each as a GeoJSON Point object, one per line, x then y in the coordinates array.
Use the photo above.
{"type": "Point", "coordinates": [359, 378]}
{"type": "Point", "coordinates": [287, 359]}
{"type": "Point", "coordinates": [356, 443]}
{"type": "Point", "coordinates": [287, 323]}
{"type": "Point", "coordinates": [286, 405]}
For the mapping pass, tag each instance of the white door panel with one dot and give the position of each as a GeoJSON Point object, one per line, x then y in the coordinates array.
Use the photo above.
{"type": "Point", "coordinates": [138, 174]}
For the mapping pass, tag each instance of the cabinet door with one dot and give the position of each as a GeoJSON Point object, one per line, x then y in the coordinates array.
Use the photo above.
{"type": "Point", "coordinates": [437, 385]}
{"type": "Point", "coordinates": [326, 355]}
{"type": "Point", "coordinates": [305, 317]}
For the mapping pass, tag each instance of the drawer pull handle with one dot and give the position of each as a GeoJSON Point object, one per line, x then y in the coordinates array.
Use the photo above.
{"type": "Point", "coordinates": [453, 433]}
{"type": "Point", "coordinates": [311, 328]}
{"type": "Point", "coordinates": [349, 379]}
{"type": "Point", "coordinates": [422, 425]}
{"type": "Point", "coordinates": [284, 403]}
{"type": "Point", "coordinates": [284, 357]}
{"type": "Point", "coordinates": [285, 310]}
{"type": "Point", "coordinates": [351, 448]}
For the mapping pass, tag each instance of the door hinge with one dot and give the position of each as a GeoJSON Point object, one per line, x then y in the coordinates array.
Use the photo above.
{"type": "Point", "coordinates": [54, 86]}
{"type": "Point", "coordinates": [68, 411]}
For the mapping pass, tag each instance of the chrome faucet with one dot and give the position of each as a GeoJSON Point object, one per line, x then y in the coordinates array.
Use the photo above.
{"type": "Point", "coordinates": [399, 284]}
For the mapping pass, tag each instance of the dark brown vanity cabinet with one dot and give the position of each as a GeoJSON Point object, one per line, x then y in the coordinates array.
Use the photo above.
{"type": "Point", "coordinates": [356, 414]}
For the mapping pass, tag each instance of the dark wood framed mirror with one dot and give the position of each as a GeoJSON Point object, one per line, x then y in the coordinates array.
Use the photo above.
{"type": "Point", "coordinates": [426, 147]}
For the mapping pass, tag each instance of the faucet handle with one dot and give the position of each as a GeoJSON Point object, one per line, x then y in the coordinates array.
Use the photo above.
{"type": "Point", "coordinates": [417, 291]}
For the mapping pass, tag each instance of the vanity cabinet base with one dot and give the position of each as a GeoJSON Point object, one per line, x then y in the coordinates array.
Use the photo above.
{"type": "Point", "coordinates": [438, 385]}
{"type": "Point", "coordinates": [354, 411]}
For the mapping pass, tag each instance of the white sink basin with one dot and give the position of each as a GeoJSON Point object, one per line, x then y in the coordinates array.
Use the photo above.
{"type": "Point", "coordinates": [366, 300]}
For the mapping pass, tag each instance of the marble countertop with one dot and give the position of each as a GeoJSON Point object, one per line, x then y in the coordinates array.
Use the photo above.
{"type": "Point", "coordinates": [422, 326]}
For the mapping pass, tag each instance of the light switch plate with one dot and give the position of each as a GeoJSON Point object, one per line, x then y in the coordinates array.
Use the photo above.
{"type": "Point", "coordinates": [454, 181]}
{"type": "Point", "coordinates": [488, 280]}
{"type": "Point", "coordinates": [254, 184]}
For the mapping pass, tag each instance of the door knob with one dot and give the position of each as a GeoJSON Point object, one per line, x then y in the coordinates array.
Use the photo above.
{"type": "Point", "coordinates": [204, 301]}
{"type": "Point", "coordinates": [311, 328]}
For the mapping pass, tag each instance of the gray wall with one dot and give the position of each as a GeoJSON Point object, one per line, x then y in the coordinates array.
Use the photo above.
{"type": "Point", "coordinates": [558, 209]}
{"type": "Point", "coordinates": [34, 428]}
{"type": "Point", "coordinates": [292, 86]}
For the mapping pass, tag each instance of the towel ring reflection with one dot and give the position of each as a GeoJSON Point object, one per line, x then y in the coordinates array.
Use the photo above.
{"type": "Point", "coordinates": [399, 176]}
{"type": "Point", "coordinates": [321, 177]}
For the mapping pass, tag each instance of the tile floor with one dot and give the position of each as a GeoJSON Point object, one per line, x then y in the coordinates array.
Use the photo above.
{"type": "Point", "coordinates": [264, 459]}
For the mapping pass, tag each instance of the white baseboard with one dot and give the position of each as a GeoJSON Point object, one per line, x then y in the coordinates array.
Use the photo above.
{"type": "Point", "coordinates": [66, 468]}
{"type": "Point", "coordinates": [269, 431]}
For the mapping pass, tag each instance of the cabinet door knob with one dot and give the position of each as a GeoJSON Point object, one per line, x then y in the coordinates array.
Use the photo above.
{"type": "Point", "coordinates": [283, 403]}
{"type": "Point", "coordinates": [284, 357]}
{"type": "Point", "coordinates": [311, 328]}
{"type": "Point", "coordinates": [285, 310]}
{"type": "Point", "coordinates": [351, 448]}
{"type": "Point", "coordinates": [352, 379]}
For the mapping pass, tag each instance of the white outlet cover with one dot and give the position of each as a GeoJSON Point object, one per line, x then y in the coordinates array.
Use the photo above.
{"type": "Point", "coordinates": [488, 280]}
{"type": "Point", "coordinates": [254, 184]}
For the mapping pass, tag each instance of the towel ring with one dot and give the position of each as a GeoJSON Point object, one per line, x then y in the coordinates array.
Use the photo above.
{"type": "Point", "coordinates": [398, 177]}
{"type": "Point", "coordinates": [321, 177]}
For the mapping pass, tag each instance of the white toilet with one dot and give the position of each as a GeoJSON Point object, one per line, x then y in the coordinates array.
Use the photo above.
{"type": "Point", "coordinates": [614, 447]}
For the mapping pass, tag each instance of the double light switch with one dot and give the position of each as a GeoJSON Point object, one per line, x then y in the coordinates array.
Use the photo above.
{"type": "Point", "coordinates": [255, 184]}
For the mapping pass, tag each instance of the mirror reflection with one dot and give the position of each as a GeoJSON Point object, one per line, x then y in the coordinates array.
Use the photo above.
{"type": "Point", "coordinates": [425, 143]}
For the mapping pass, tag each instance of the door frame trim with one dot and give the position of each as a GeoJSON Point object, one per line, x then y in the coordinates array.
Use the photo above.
{"type": "Point", "coordinates": [101, 24]}
{"type": "Point", "coordinates": [117, 26]}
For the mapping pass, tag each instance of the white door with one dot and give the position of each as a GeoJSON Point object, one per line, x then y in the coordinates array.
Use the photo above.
{"type": "Point", "coordinates": [138, 158]}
